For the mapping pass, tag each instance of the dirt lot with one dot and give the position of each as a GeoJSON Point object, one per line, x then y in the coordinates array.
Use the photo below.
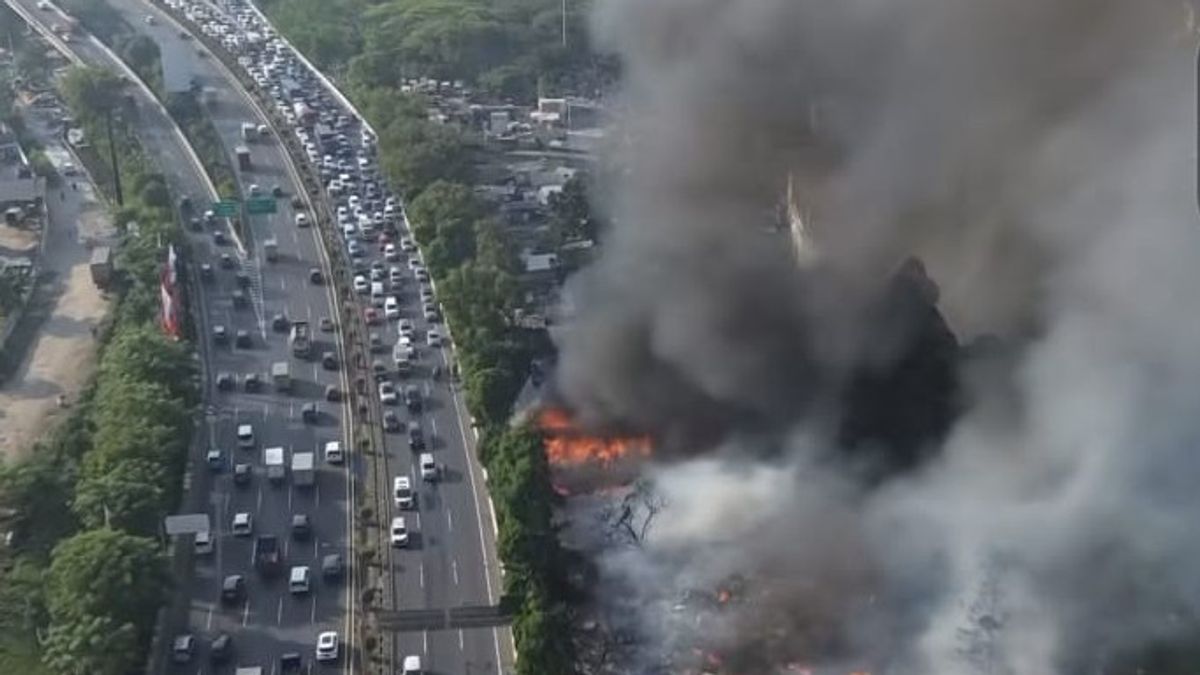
{"type": "Point", "coordinates": [67, 307]}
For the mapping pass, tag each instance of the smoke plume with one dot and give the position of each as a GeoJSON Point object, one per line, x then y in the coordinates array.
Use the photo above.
{"type": "Point", "coordinates": [1037, 155]}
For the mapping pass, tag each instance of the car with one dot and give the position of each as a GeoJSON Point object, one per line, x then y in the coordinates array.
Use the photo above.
{"type": "Point", "coordinates": [255, 190]}
{"type": "Point", "coordinates": [245, 436]}
{"type": "Point", "coordinates": [333, 452]}
{"type": "Point", "coordinates": [355, 249]}
{"type": "Point", "coordinates": [391, 307]}
{"type": "Point", "coordinates": [252, 382]}
{"type": "Point", "coordinates": [239, 298]}
{"type": "Point", "coordinates": [391, 253]}
{"type": "Point", "coordinates": [227, 261]}
{"type": "Point", "coordinates": [371, 316]}
{"type": "Point", "coordinates": [333, 567]}
{"type": "Point", "coordinates": [414, 263]}
{"type": "Point", "coordinates": [406, 244]}
{"type": "Point", "coordinates": [329, 361]}
{"type": "Point", "coordinates": [309, 413]}
{"type": "Point", "coordinates": [43, 5]}
{"type": "Point", "coordinates": [399, 532]}
{"type": "Point", "coordinates": [361, 284]}
{"type": "Point", "coordinates": [149, 19]}
{"type": "Point", "coordinates": [194, 224]}
{"type": "Point", "coordinates": [243, 526]}
{"type": "Point", "coordinates": [433, 338]}
{"type": "Point", "coordinates": [411, 665]}
{"type": "Point", "coordinates": [280, 323]}
{"type": "Point", "coordinates": [301, 526]}
{"type": "Point", "coordinates": [242, 473]}
{"type": "Point", "coordinates": [326, 324]}
{"type": "Point", "coordinates": [220, 650]}
{"type": "Point", "coordinates": [243, 339]}
{"type": "Point", "coordinates": [327, 646]}
{"type": "Point", "coordinates": [332, 393]}
{"type": "Point", "coordinates": [182, 648]}
{"type": "Point", "coordinates": [315, 276]}
{"type": "Point", "coordinates": [429, 468]}
{"type": "Point", "coordinates": [426, 294]}
{"type": "Point", "coordinates": [277, 190]}
{"type": "Point", "coordinates": [224, 382]}
{"type": "Point", "coordinates": [233, 588]}
{"type": "Point", "coordinates": [202, 543]}
{"type": "Point", "coordinates": [206, 272]}
{"type": "Point", "coordinates": [391, 421]}
{"type": "Point", "coordinates": [412, 398]}
{"type": "Point", "coordinates": [215, 459]}
{"type": "Point", "coordinates": [416, 439]}
{"type": "Point", "coordinates": [421, 275]}
{"type": "Point", "coordinates": [387, 393]}
{"type": "Point", "coordinates": [291, 662]}
{"type": "Point", "coordinates": [378, 273]}
{"type": "Point", "coordinates": [431, 313]}
{"type": "Point", "coordinates": [243, 280]}
{"type": "Point", "coordinates": [407, 328]}
{"type": "Point", "coordinates": [375, 340]}
{"type": "Point", "coordinates": [402, 493]}
{"type": "Point", "coordinates": [220, 335]}
{"type": "Point", "coordinates": [395, 275]}
{"type": "Point", "coordinates": [301, 220]}
{"type": "Point", "coordinates": [219, 238]}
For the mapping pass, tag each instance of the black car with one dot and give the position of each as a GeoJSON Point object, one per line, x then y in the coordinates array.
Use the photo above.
{"type": "Point", "coordinates": [412, 398]}
{"type": "Point", "coordinates": [290, 662]}
{"type": "Point", "coordinates": [221, 648]}
{"type": "Point", "coordinates": [391, 421]}
{"type": "Point", "coordinates": [416, 439]}
{"type": "Point", "coordinates": [219, 238]}
{"type": "Point", "coordinates": [224, 382]}
{"type": "Point", "coordinates": [380, 370]}
{"type": "Point", "coordinates": [206, 272]}
{"type": "Point", "coordinates": [220, 335]}
{"type": "Point", "coordinates": [333, 394]}
{"type": "Point", "coordinates": [301, 527]}
{"type": "Point", "coordinates": [277, 191]}
{"type": "Point", "coordinates": [252, 382]}
{"type": "Point", "coordinates": [233, 589]}
{"type": "Point", "coordinates": [280, 323]}
{"type": "Point", "coordinates": [243, 339]}
{"type": "Point", "coordinates": [185, 204]}
{"type": "Point", "coordinates": [309, 413]}
{"type": "Point", "coordinates": [333, 566]}
{"type": "Point", "coordinates": [195, 224]}
{"type": "Point", "coordinates": [226, 261]}
{"type": "Point", "coordinates": [314, 275]}
{"type": "Point", "coordinates": [242, 473]}
{"type": "Point", "coordinates": [329, 361]}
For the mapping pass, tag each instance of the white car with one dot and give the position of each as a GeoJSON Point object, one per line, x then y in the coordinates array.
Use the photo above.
{"type": "Point", "coordinates": [333, 452]}
{"type": "Point", "coordinates": [391, 307]}
{"type": "Point", "coordinates": [361, 284]}
{"type": "Point", "coordinates": [433, 338]}
{"type": "Point", "coordinates": [301, 220]}
{"type": "Point", "coordinates": [242, 525]}
{"type": "Point", "coordinates": [245, 436]}
{"type": "Point", "coordinates": [391, 253]}
{"type": "Point", "coordinates": [399, 531]}
{"type": "Point", "coordinates": [378, 274]}
{"type": "Point", "coordinates": [43, 5]}
{"type": "Point", "coordinates": [203, 543]}
{"type": "Point", "coordinates": [411, 665]}
{"type": "Point", "coordinates": [429, 470]}
{"type": "Point", "coordinates": [327, 646]}
{"type": "Point", "coordinates": [387, 393]}
{"type": "Point", "coordinates": [426, 294]}
{"type": "Point", "coordinates": [149, 20]}
{"type": "Point", "coordinates": [407, 244]}
{"type": "Point", "coordinates": [402, 493]}
{"type": "Point", "coordinates": [432, 315]}
{"type": "Point", "coordinates": [407, 329]}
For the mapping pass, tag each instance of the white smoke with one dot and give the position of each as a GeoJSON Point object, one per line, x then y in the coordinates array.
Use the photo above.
{"type": "Point", "coordinates": [1039, 154]}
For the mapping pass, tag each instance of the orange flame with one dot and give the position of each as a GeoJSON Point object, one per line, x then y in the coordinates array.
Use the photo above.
{"type": "Point", "coordinates": [567, 445]}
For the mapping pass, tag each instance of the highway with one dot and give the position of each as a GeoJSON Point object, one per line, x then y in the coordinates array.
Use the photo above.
{"type": "Point", "coordinates": [445, 565]}
{"type": "Point", "coordinates": [270, 621]}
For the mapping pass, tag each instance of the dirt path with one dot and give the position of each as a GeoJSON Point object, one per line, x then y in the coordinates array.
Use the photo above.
{"type": "Point", "coordinates": [61, 354]}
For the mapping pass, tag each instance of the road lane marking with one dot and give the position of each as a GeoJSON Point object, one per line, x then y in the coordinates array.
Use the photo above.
{"type": "Point", "coordinates": [425, 642]}
{"type": "Point", "coordinates": [285, 548]}
{"type": "Point", "coordinates": [461, 647]}
{"type": "Point", "coordinates": [433, 425]}
{"type": "Point", "coordinates": [316, 373]}
{"type": "Point", "coordinates": [283, 282]}
{"type": "Point", "coordinates": [421, 569]}
{"type": "Point", "coordinates": [208, 621]}
{"type": "Point", "coordinates": [258, 506]}
{"type": "Point", "coordinates": [316, 495]}
{"type": "Point", "coordinates": [312, 618]}
{"type": "Point", "coordinates": [290, 493]}
{"type": "Point", "coordinates": [316, 548]}
{"type": "Point", "coordinates": [449, 520]}
{"type": "Point", "coordinates": [454, 570]}
{"type": "Point", "coordinates": [417, 517]}
{"type": "Point", "coordinates": [279, 613]}
{"type": "Point", "coordinates": [246, 613]}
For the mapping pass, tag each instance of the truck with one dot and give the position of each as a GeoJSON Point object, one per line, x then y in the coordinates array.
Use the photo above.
{"type": "Point", "coordinates": [281, 375]}
{"type": "Point", "coordinates": [249, 131]}
{"type": "Point", "coordinates": [302, 469]}
{"type": "Point", "coordinates": [243, 157]}
{"type": "Point", "coordinates": [304, 114]}
{"type": "Point", "coordinates": [271, 249]}
{"type": "Point", "coordinates": [268, 559]}
{"type": "Point", "coordinates": [300, 340]}
{"type": "Point", "coordinates": [400, 357]}
{"type": "Point", "coordinates": [101, 266]}
{"type": "Point", "coordinates": [273, 460]}
{"type": "Point", "coordinates": [248, 670]}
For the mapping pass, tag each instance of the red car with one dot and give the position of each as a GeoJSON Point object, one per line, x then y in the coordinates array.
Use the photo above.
{"type": "Point", "coordinates": [371, 315]}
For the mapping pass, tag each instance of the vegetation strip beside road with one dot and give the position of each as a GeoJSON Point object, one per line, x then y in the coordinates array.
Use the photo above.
{"type": "Point", "coordinates": [85, 575]}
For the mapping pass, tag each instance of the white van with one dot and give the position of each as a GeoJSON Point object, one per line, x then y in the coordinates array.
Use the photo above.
{"type": "Point", "coordinates": [429, 469]}
{"type": "Point", "coordinates": [203, 543]}
{"type": "Point", "coordinates": [412, 665]}
{"type": "Point", "coordinates": [333, 452]}
{"type": "Point", "coordinates": [402, 492]}
{"type": "Point", "coordinates": [378, 293]}
{"type": "Point", "coordinates": [298, 581]}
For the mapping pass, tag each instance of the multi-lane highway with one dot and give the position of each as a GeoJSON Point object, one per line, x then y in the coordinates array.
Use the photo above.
{"type": "Point", "coordinates": [269, 621]}
{"type": "Point", "coordinates": [448, 563]}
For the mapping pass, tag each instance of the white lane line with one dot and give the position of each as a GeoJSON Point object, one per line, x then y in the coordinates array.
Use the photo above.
{"type": "Point", "coordinates": [425, 642]}
{"type": "Point", "coordinates": [286, 541]}
{"type": "Point", "coordinates": [309, 308]}
{"type": "Point", "coordinates": [279, 613]}
{"type": "Point", "coordinates": [454, 570]}
{"type": "Point", "coordinates": [449, 520]}
{"type": "Point", "coordinates": [312, 616]}
{"type": "Point", "coordinates": [316, 373]}
{"type": "Point", "coordinates": [290, 492]}
{"type": "Point", "coordinates": [316, 548]}
{"type": "Point", "coordinates": [417, 515]}
{"type": "Point", "coordinates": [246, 613]}
{"type": "Point", "coordinates": [296, 240]}
{"type": "Point", "coordinates": [266, 411]}
{"type": "Point", "coordinates": [316, 496]}
{"type": "Point", "coordinates": [460, 640]}
{"type": "Point", "coordinates": [258, 506]}
{"type": "Point", "coordinates": [421, 569]}
{"type": "Point", "coordinates": [433, 425]}
{"type": "Point", "coordinates": [283, 283]}
{"type": "Point", "coordinates": [208, 621]}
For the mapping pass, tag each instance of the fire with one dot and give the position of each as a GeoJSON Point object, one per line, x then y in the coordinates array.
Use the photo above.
{"type": "Point", "coordinates": [567, 445]}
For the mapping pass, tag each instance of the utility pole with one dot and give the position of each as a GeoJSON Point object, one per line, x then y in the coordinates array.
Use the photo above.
{"type": "Point", "coordinates": [112, 156]}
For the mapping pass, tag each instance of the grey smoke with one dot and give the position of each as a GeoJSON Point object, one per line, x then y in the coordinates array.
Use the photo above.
{"type": "Point", "coordinates": [1038, 156]}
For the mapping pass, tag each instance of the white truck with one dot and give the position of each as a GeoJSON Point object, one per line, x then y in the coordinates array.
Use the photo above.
{"type": "Point", "coordinates": [401, 357]}
{"type": "Point", "coordinates": [271, 249]}
{"type": "Point", "coordinates": [281, 376]}
{"type": "Point", "coordinates": [302, 469]}
{"type": "Point", "coordinates": [249, 131]}
{"type": "Point", "coordinates": [273, 460]}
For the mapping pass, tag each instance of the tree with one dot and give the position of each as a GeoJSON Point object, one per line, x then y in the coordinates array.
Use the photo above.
{"type": "Point", "coordinates": [571, 210]}
{"type": "Point", "coordinates": [490, 393]}
{"type": "Point", "coordinates": [37, 489]}
{"type": "Point", "coordinates": [418, 152]}
{"type": "Point", "coordinates": [445, 39]}
{"type": "Point", "coordinates": [105, 573]}
{"type": "Point", "coordinates": [92, 645]}
{"type": "Point", "coordinates": [92, 92]}
{"type": "Point", "coordinates": [542, 635]}
{"type": "Point", "coordinates": [141, 352]}
{"type": "Point", "coordinates": [130, 496]}
{"type": "Point", "coordinates": [324, 30]}
{"type": "Point", "coordinates": [142, 55]}
{"type": "Point", "coordinates": [441, 205]}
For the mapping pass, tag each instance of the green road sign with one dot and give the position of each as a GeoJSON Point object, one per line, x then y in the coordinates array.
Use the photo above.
{"type": "Point", "coordinates": [260, 205]}
{"type": "Point", "coordinates": [225, 208]}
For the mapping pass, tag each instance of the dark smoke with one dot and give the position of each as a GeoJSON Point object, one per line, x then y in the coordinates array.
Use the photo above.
{"type": "Point", "coordinates": [1037, 156]}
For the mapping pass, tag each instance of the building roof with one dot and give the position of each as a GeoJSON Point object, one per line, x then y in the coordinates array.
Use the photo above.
{"type": "Point", "coordinates": [540, 262]}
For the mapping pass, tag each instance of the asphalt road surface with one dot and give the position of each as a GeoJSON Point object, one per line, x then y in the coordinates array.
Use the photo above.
{"type": "Point", "coordinates": [444, 565]}
{"type": "Point", "coordinates": [271, 621]}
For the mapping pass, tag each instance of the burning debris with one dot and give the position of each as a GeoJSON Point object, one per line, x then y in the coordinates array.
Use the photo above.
{"type": "Point", "coordinates": [581, 461]}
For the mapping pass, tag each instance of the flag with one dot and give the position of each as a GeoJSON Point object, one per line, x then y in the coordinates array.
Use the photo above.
{"type": "Point", "coordinates": [172, 266]}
